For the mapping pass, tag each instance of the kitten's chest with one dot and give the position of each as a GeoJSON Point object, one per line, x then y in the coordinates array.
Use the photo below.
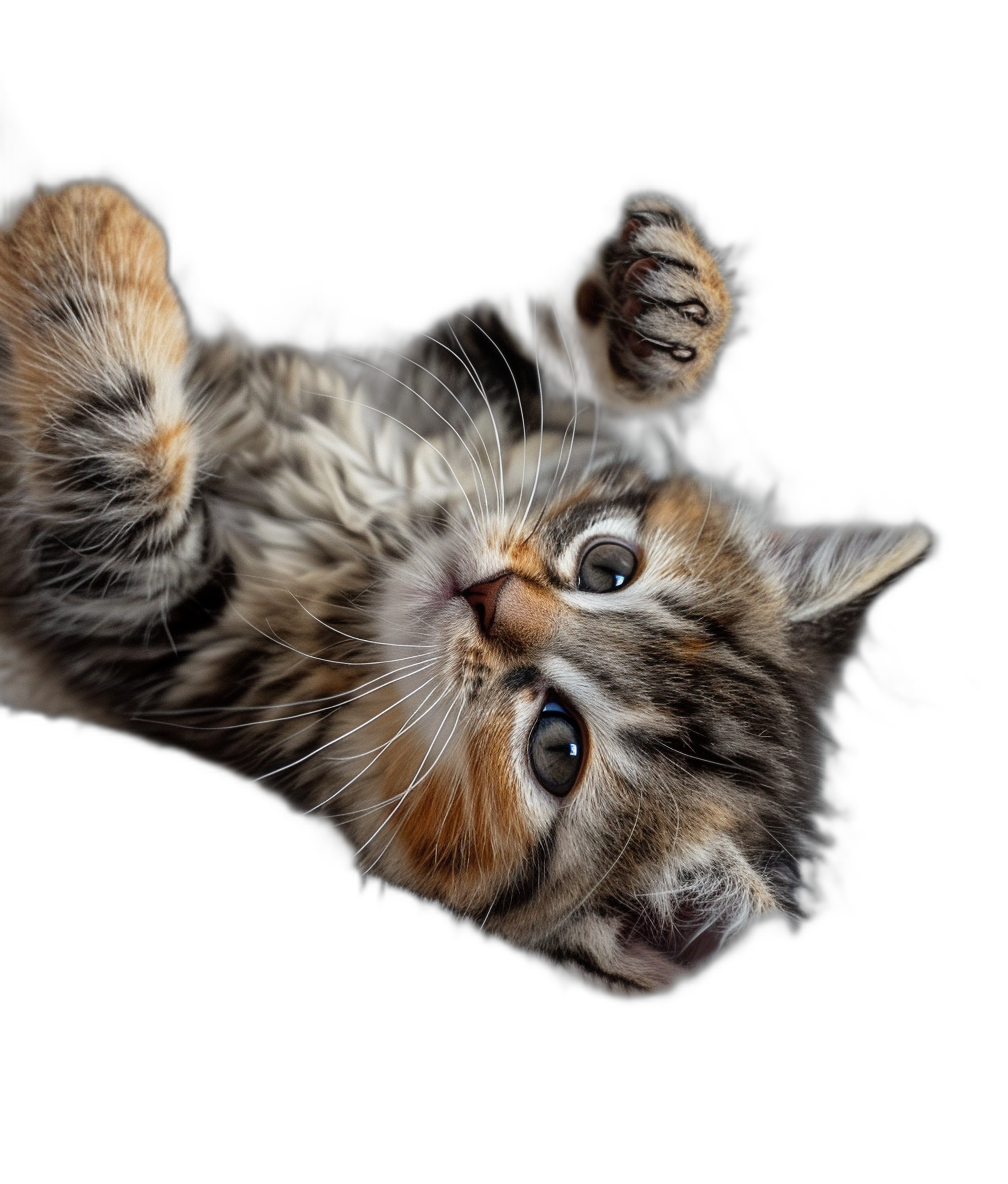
{"type": "Point", "coordinates": [309, 468]}
{"type": "Point", "coordinates": [315, 466]}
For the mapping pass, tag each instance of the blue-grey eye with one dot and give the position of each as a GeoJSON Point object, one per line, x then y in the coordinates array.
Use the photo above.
{"type": "Point", "coordinates": [606, 567]}
{"type": "Point", "coordinates": [556, 749]}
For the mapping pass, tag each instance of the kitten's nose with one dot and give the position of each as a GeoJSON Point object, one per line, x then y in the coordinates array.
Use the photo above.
{"type": "Point", "coordinates": [483, 599]}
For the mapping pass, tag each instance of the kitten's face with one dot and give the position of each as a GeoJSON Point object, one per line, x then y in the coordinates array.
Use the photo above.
{"type": "Point", "coordinates": [610, 752]}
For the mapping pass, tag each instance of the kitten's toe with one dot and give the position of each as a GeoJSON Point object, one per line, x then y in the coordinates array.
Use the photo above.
{"type": "Point", "coordinates": [663, 300]}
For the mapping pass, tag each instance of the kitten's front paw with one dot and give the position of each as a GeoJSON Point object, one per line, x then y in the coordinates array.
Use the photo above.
{"type": "Point", "coordinates": [87, 312]}
{"type": "Point", "coordinates": [95, 345]}
{"type": "Point", "coordinates": [660, 295]}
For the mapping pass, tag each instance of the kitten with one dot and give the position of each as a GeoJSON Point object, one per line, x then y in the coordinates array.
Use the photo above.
{"type": "Point", "coordinates": [536, 670]}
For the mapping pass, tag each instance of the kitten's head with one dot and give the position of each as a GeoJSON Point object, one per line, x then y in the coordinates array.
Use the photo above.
{"type": "Point", "coordinates": [612, 751]}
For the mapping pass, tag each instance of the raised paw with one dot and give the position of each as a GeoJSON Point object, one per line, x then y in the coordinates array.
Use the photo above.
{"type": "Point", "coordinates": [86, 308]}
{"type": "Point", "coordinates": [101, 445]}
{"type": "Point", "coordinates": [662, 300]}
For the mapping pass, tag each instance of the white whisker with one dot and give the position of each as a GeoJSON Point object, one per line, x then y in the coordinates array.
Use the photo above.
{"type": "Point", "coordinates": [542, 419]}
{"type": "Point", "coordinates": [405, 385]}
{"type": "Point", "coordinates": [417, 779]}
{"type": "Point", "coordinates": [346, 735]}
{"type": "Point", "coordinates": [698, 575]}
{"type": "Point", "coordinates": [605, 875]}
{"type": "Point", "coordinates": [574, 393]}
{"type": "Point", "coordinates": [272, 636]}
{"type": "Point", "coordinates": [366, 640]}
{"type": "Point", "coordinates": [334, 703]}
{"type": "Point", "coordinates": [466, 411]}
{"type": "Point", "coordinates": [518, 398]}
{"type": "Point", "coordinates": [493, 419]}
{"type": "Point", "coordinates": [410, 722]}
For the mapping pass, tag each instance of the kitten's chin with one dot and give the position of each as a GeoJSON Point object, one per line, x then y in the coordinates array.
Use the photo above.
{"type": "Point", "coordinates": [647, 968]}
{"type": "Point", "coordinates": [635, 950]}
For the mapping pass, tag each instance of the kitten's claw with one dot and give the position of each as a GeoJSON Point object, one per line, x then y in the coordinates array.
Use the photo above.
{"type": "Point", "coordinates": [665, 304]}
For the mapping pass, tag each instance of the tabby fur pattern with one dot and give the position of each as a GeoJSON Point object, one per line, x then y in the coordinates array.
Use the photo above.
{"type": "Point", "coordinates": [360, 581]}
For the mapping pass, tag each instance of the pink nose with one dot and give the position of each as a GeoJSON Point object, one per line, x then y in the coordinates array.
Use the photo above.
{"type": "Point", "coordinates": [483, 599]}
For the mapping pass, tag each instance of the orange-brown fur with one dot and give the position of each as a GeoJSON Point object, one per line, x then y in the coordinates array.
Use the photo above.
{"type": "Point", "coordinates": [269, 584]}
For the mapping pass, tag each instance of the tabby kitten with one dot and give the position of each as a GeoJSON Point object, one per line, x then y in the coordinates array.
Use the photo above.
{"type": "Point", "coordinates": [535, 670]}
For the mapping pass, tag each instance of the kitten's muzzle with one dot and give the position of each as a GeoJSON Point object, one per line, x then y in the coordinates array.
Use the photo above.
{"type": "Point", "coordinates": [514, 612]}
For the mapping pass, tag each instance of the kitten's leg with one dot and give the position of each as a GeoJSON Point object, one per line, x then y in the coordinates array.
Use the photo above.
{"type": "Point", "coordinates": [103, 531]}
{"type": "Point", "coordinates": [655, 309]}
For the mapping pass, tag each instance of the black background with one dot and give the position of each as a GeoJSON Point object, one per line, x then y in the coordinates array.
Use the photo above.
{"type": "Point", "coordinates": [175, 901]}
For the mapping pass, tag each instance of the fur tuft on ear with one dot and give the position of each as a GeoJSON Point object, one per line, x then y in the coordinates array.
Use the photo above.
{"type": "Point", "coordinates": [825, 568]}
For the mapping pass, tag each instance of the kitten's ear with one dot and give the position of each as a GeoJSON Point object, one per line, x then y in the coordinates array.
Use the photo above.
{"type": "Point", "coordinates": [833, 573]}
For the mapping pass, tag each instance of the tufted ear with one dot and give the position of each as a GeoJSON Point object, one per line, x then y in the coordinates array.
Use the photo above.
{"type": "Point", "coordinates": [834, 572]}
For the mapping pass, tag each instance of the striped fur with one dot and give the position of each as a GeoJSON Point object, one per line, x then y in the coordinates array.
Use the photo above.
{"type": "Point", "coordinates": [262, 556]}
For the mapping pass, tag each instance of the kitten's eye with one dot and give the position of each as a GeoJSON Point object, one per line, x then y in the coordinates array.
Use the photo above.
{"type": "Point", "coordinates": [606, 567]}
{"type": "Point", "coordinates": [556, 749]}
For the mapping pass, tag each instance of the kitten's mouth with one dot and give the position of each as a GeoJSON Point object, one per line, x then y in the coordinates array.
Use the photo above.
{"type": "Point", "coordinates": [689, 939]}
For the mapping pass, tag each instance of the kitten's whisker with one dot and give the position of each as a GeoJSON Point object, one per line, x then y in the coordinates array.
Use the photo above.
{"type": "Point", "coordinates": [332, 705]}
{"type": "Point", "coordinates": [448, 515]}
{"type": "Point", "coordinates": [607, 873]}
{"type": "Point", "coordinates": [285, 739]}
{"type": "Point", "coordinates": [684, 770]}
{"type": "Point", "coordinates": [574, 393]}
{"type": "Point", "coordinates": [415, 716]}
{"type": "Point", "coordinates": [362, 811]}
{"type": "Point", "coordinates": [396, 663]}
{"type": "Point", "coordinates": [365, 640]}
{"type": "Point", "coordinates": [493, 420]}
{"type": "Point", "coordinates": [420, 777]}
{"type": "Point", "coordinates": [558, 478]}
{"type": "Point", "coordinates": [395, 834]}
{"type": "Point", "coordinates": [468, 413]}
{"type": "Point", "coordinates": [418, 435]}
{"type": "Point", "coordinates": [554, 487]}
{"type": "Point", "coordinates": [542, 419]}
{"type": "Point", "coordinates": [698, 575]}
{"type": "Point", "coordinates": [521, 409]}
{"type": "Point", "coordinates": [411, 721]}
{"type": "Point", "coordinates": [346, 735]}
{"type": "Point", "coordinates": [710, 500]}
{"type": "Point", "coordinates": [417, 780]}
{"type": "Point", "coordinates": [272, 636]}
{"type": "Point", "coordinates": [475, 378]}
{"type": "Point", "coordinates": [597, 410]}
